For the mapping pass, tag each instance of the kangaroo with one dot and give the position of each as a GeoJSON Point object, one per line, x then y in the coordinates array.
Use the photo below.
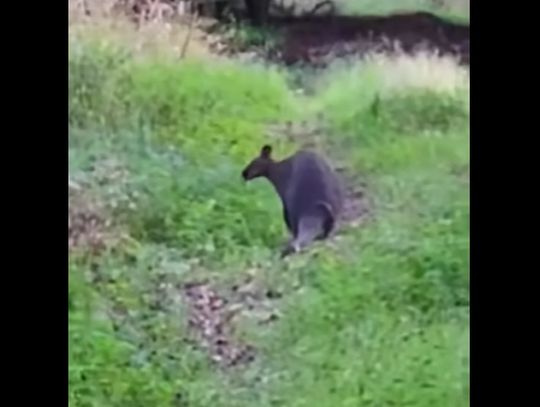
{"type": "Point", "coordinates": [310, 191]}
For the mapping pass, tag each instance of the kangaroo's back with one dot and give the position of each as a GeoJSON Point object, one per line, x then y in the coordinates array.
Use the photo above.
{"type": "Point", "coordinates": [311, 183]}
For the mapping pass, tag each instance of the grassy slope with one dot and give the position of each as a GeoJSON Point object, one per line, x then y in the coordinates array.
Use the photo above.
{"type": "Point", "coordinates": [380, 319]}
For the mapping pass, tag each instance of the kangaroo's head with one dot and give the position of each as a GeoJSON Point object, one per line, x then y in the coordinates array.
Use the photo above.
{"type": "Point", "coordinates": [260, 166]}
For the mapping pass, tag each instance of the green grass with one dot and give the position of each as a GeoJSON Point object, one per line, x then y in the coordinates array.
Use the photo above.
{"type": "Point", "coordinates": [377, 318]}
{"type": "Point", "coordinates": [453, 9]}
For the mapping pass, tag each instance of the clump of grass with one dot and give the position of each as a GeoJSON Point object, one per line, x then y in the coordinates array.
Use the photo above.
{"type": "Point", "coordinates": [94, 81]}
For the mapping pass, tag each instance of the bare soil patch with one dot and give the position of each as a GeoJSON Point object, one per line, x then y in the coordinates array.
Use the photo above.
{"type": "Point", "coordinates": [214, 313]}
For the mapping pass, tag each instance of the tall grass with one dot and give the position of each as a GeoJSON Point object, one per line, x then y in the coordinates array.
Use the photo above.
{"type": "Point", "coordinates": [378, 317]}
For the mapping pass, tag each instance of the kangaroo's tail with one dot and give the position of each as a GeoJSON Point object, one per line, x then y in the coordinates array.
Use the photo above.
{"type": "Point", "coordinates": [316, 224]}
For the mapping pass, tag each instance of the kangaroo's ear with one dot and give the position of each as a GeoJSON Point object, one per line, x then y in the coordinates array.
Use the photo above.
{"type": "Point", "coordinates": [266, 151]}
